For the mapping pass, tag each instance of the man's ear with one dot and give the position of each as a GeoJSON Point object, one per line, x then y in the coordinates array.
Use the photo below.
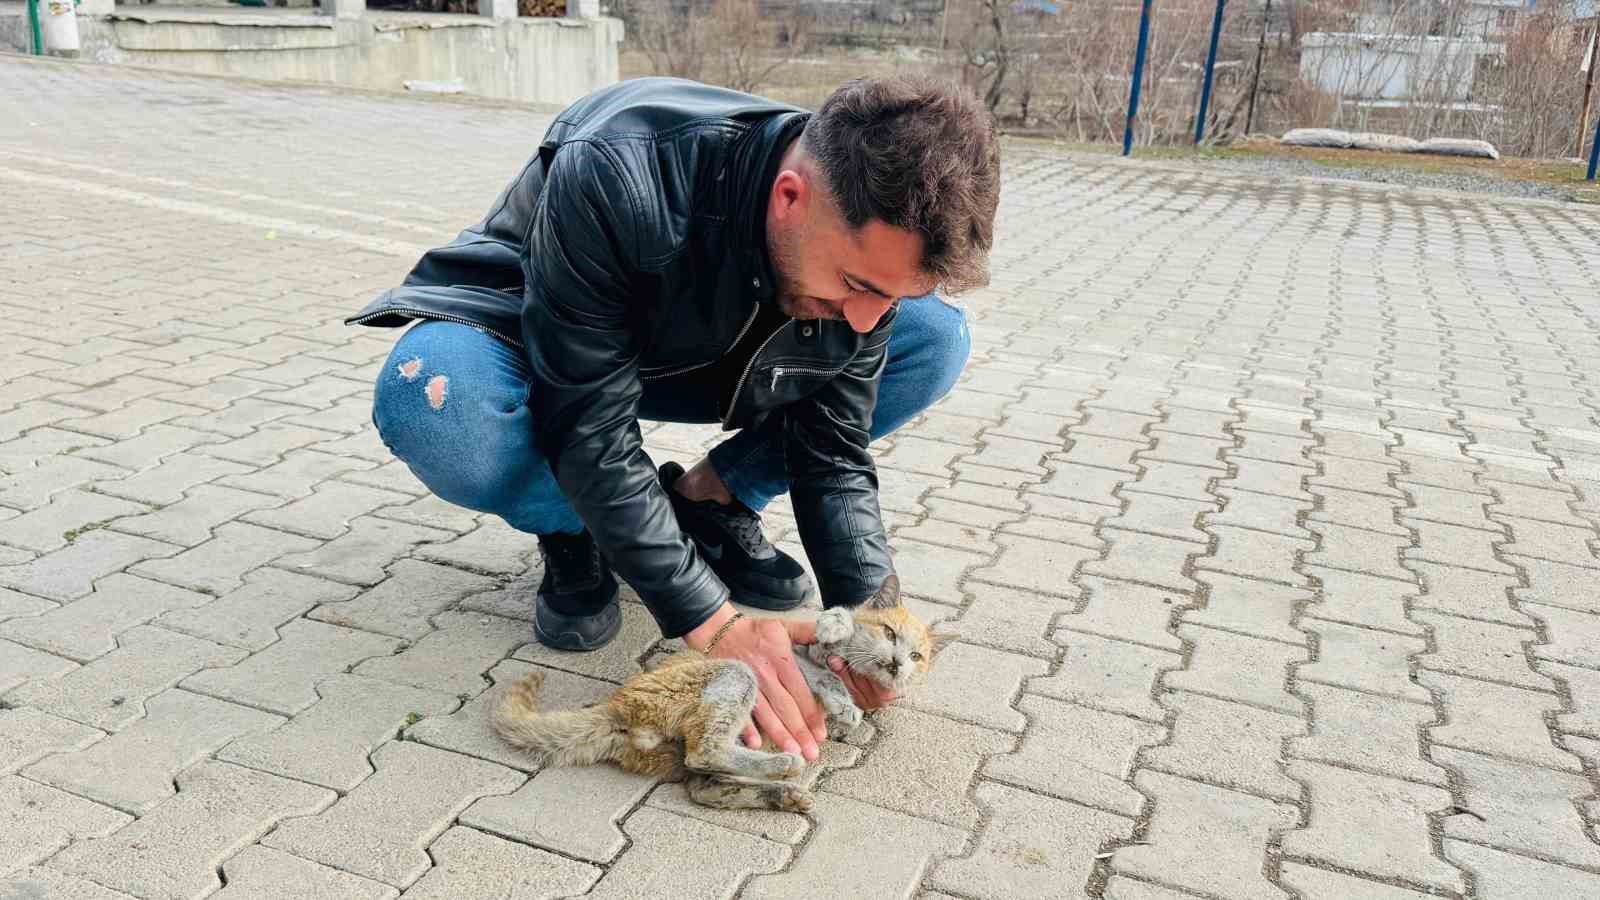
{"type": "Point", "coordinates": [887, 595]}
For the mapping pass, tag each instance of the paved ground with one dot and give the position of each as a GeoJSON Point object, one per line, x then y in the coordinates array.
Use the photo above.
{"type": "Point", "coordinates": [1268, 512]}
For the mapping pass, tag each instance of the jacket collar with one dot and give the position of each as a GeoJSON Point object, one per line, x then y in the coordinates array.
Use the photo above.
{"type": "Point", "coordinates": [747, 185]}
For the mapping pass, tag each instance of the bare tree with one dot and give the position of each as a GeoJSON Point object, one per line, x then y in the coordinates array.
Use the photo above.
{"type": "Point", "coordinates": [726, 42]}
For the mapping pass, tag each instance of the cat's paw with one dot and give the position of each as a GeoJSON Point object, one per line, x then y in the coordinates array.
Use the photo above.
{"type": "Point", "coordinates": [835, 625]}
{"type": "Point", "coordinates": [790, 798]}
{"type": "Point", "coordinates": [794, 765]}
{"type": "Point", "coordinates": [848, 717]}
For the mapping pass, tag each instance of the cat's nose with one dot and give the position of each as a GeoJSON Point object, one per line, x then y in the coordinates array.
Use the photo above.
{"type": "Point", "coordinates": [893, 667]}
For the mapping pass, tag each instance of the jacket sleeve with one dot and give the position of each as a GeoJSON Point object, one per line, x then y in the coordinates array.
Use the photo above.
{"type": "Point", "coordinates": [581, 270]}
{"type": "Point", "coordinates": [833, 483]}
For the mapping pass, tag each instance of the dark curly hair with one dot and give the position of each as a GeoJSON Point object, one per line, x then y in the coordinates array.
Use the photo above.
{"type": "Point", "coordinates": [917, 154]}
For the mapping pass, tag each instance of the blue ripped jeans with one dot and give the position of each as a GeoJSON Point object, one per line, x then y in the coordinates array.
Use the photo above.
{"type": "Point", "coordinates": [452, 403]}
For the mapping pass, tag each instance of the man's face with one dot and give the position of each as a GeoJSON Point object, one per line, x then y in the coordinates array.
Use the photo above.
{"type": "Point", "coordinates": [827, 271]}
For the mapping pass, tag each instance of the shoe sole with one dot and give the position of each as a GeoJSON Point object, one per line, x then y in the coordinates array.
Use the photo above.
{"type": "Point", "coordinates": [574, 641]}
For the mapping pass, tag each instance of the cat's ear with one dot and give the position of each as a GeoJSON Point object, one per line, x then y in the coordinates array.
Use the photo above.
{"type": "Point", "coordinates": [887, 595]}
{"type": "Point", "coordinates": [939, 639]}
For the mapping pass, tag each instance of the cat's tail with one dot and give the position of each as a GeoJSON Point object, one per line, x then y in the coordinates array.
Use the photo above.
{"type": "Point", "coordinates": [575, 737]}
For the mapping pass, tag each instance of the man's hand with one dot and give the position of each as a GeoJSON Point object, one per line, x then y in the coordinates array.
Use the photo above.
{"type": "Point", "coordinates": [785, 711]}
{"type": "Point", "coordinates": [868, 694]}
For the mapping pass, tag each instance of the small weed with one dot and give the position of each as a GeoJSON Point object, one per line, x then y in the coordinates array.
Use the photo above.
{"type": "Point", "coordinates": [73, 534]}
{"type": "Point", "coordinates": [413, 718]}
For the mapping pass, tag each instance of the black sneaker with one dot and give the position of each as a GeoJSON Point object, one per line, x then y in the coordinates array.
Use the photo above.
{"type": "Point", "coordinates": [729, 538]}
{"type": "Point", "coordinates": [576, 606]}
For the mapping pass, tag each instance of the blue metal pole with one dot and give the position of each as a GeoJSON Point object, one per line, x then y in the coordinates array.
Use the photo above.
{"type": "Point", "coordinates": [1211, 67]}
{"type": "Point", "coordinates": [1138, 78]}
{"type": "Point", "coordinates": [1594, 152]}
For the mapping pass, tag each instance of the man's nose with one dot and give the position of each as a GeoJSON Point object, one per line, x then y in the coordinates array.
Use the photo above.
{"type": "Point", "coordinates": [863, 313]}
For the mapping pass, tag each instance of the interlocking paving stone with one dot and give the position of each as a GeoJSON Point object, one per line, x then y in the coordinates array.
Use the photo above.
{"type": "Point", "coordinates": [936, 572]}
{"type": "Point", "coordinates": [1558, 584]}
{"type": "Point", "coordinates": [87, 628]}
{"type": "Point", "coordinates": [1258, 608]}
{"type": "Point", "coordinates": [33, 488]}
{"type": "Point", "coordinates": [1171, 517]}
{"type": "Point", "coordinates": [1235, 667]}
{"type": "Point", "coordinates": [1106, 674]}
{"type": "Point", "coordinates": [37, 820]}
{"type": "Point", "coordinates": [1119, 887]}
{"type": "Point", "coordinates": [1032, 846]}
{"type": "Point", "coordinates": [110, 692]}
{"type": "Point", "coordinates": [1526, 502]}
{"type": "Point", "coordinates": [1078, 482]}
{"type": "Point", "coordinates": [70, 573]}
{"type": "Point", "coordinates": [329, 743]}
{"type": "Point", "coordinates": [1468, 593]}
{"type": "Point", "coordinates": [28, 735]}
{"type": "Point", "coordinates": [26, 666]}
{"type": "Point", "coordinates": [1550, 541]}
{"type": "Point", "coordinates": [1010, 619]}
{"type": "Point", "coordinates": [263, 873]}
{"type": "Point", "coordinates": [858, 849]}
{"type": "Point", "coordinates": [1363, 659]}
{"type": "Point", "coordinates": [1507, 876]}
{"type": "Point", "coordinates": [133, 770]}
{"type": "Point", "coordinates": [1256, 554]}
{"type": "Point", "coordinates": [667, 859]}
{"type": "Point", "coordinates": [1130, 612]}
{"type": "Point", "coordinates": [919, 765]}
{"type": "Point", "coordinates": [1358, 550]}
{"type": "Point", "coordinates": [362, 554]}
{"type": "Point", "coordinates": [1323, 884]}
{"type": "Point", "coordinates": [283, 677]}
{"type": "Point", "coordinates": [469, 863]}
{"type": "Point", "coordinates": [49, 527]}
{"type": "Point", "coordinates": [1453, 545]}
{"type": "Point", "coordinates": [1145, 558]}
{"type": "Point", "coordinates": [194, 519]}
{"type": "Point", "coordinates": [37, 881]}
{"type": "Point", "coordinates": [1259, 512]}
{"type": "Point", "coordinates": [1227, 744]}
{"type": "Point", "coordinates": [1373, 734]}
{"type": "Point", "coordinates": [1584, 686]}
{"type": "Point", "coordinates": [1481, 650]}
{"type": "Point", "coordinates": [219, 565]}
{"type": "Point", "coordinates": [378, 830]}
{"type": "Point", "coordinates": [614, 662]}
{"type": "Point", "coordinates": [1574, 636]}
{"type": "Point", "coordinates": [175, 849]}
{"type": "Point", "coordinates": [297, 474]}
{"type": "Point", "coordinates": [453, 658]}
{"type": "Point", "coordinates": [1265, 477]}
{"type": "Point", "coordinates": [1204, 838]}
{"type": "Point", "coordinates": [403, 603]}
{"type": "Point", "coordinates": [541, 812]}
{"type": "Point", "coordinates": [250, 615]}
{"type": "Point", "coordinates": [1076, 753]}
{"type": "Point", "coordinates": [22, 606]}
{"type": "Point", "coordinates": [977, 684]}
{"type": "Point", "coordinates": [1370, 824]}
{"type": "Point", "coordinates": [1174, 480]}
{"type": "Point", "coordinates": [1357, 599]}
{"type": "Point", "coordinates": [493, 547]}
{"type": "Point", "coordinates": [1520, 808]}
{"type": "Point", "coordinates": [170, 481]}
{"type": "Point", "coordinates": [1496, 719]}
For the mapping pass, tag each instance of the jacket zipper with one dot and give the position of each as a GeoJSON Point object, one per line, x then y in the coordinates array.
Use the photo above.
{"type": "Point", "coordinates": [737, 388]}
{"type": "Point", "coordinates": [781, 371]}
{"type": "Point", "coordinates": [443, 317]}
{"type": "Point", "coordinates": [679, 371]}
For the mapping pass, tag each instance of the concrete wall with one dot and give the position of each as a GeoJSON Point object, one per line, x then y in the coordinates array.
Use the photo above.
{"type": "Point", "coordinates": [542, 60]}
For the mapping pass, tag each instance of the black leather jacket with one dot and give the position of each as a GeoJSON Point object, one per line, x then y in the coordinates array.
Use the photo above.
{"type": "Point", "coordinates": [631, 246]}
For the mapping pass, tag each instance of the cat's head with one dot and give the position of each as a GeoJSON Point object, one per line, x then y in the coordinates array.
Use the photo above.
{"type": "Point", "coordinates": [890, 644]}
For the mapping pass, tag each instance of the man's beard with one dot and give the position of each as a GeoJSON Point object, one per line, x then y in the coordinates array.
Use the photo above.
{"type": "Point", "coordinates": [784, 249]}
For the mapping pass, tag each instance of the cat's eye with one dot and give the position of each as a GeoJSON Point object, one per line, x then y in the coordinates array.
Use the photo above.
{"type": "Point", "coordinates": [890, 633]}
{"type": "Point", "coordinates": [915, 656]}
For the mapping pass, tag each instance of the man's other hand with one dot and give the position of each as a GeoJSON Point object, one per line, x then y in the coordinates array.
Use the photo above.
{"type": "Point", "coordinates": [868, 694]}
